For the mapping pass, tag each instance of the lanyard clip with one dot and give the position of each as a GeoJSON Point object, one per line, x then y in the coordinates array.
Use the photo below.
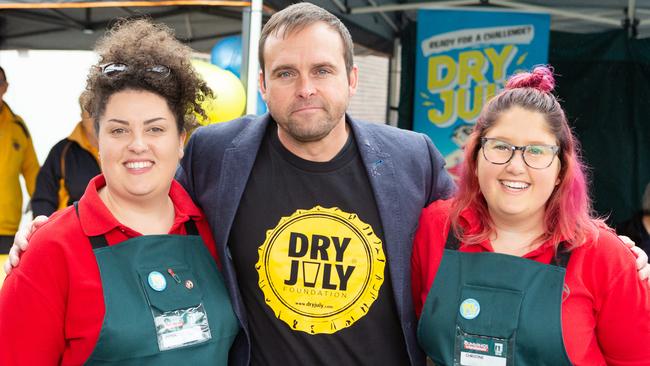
{"type": "Point", "coordinates": [174, 275]}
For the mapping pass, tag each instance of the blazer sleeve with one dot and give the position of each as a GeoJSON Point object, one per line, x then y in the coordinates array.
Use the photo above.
{"type": "Point", "coordinates": [442, 186]}
{"type": "Point", "coordinates": [184, 171]}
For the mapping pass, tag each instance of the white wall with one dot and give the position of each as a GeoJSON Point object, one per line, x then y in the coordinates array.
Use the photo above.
{"type": "Point", "coordinates": [44, 88]}
{"type": "Point", "coordinates": [370, 101]}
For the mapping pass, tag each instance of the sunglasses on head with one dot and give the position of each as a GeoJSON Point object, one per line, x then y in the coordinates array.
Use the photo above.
{"type": "Point", "coordinates": [115, 68]}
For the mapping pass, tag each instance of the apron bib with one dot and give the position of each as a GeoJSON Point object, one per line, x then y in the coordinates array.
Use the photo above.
{"type": "Point", "coordinates": [166, 303]}
{"type": "Point", "coordinates": [490, 309]}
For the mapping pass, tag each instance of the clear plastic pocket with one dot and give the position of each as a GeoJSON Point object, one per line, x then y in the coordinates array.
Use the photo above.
{"type": "Point", "coordinates": [175, 299]}
{"type": "Point", "coordinates": [181, 327]}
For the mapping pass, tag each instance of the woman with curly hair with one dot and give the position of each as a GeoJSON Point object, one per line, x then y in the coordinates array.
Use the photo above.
{"type": "Point", "coordinates": [514, 270]}
{"type": "Point", "coordinates": [127, 275]}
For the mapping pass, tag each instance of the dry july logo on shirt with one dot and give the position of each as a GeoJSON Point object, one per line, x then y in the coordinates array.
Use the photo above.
{"type": "Point", "coordinates": [321, 269]}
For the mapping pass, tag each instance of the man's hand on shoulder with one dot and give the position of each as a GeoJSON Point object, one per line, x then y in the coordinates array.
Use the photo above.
{"type": "Point", "coordinates": [21, 242]}
{"type": "Point", "coordinates": [641, 258]}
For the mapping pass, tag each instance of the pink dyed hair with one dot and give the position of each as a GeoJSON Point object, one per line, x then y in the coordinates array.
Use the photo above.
{"type": "Point", "coordinates": [568, 213]}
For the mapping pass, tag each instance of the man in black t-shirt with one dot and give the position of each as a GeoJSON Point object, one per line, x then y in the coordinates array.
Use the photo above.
{"type": "Point", "coordinates": [313, 212]}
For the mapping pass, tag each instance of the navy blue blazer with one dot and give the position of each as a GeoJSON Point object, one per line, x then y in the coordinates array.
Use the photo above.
{"type": "Point", "coordinates": [405, 170]}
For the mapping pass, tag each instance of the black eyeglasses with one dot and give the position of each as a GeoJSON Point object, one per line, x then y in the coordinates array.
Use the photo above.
{"type": "Point", "coordinates": [115, 68]}
{"type": "Point", "coordinates": [535, 156]}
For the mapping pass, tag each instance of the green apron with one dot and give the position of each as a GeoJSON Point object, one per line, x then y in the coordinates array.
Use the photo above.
{"type": "Point", "coordinates": [494, 309]}
{"type": "Point", "coordinates": [166, 303]}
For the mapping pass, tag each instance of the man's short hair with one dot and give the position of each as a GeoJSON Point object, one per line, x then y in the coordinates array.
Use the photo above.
{"type": "Point", "coordinates": [299, 16]}
{"type": "Point", "coordinates": [4, 76]}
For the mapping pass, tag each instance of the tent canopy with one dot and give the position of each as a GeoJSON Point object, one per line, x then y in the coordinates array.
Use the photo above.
{"type": "Point", "coordinates": [65, 24]}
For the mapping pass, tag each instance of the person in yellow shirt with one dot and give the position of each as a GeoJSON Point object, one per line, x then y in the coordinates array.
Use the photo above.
{"type": "Point", "coordinates": [68, 168]}
{"type": "Point", "coordinates": [17, 156]}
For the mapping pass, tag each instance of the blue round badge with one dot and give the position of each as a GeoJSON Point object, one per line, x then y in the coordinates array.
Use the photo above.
{"type": "Point", "coordinates": [157, 281]}
{"type": "Point", "coordinates": [469, 309]}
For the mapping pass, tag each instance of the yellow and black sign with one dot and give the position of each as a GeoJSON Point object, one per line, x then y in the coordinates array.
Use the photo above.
{"type": "Point", "coordinates": [321, 269]}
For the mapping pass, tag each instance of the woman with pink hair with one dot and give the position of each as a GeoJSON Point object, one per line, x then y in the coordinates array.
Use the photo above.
{"type": "Point", "coordinates": [527, 275]}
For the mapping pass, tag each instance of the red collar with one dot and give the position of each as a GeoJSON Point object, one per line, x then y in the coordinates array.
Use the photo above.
{"type": "Point", "coordinates": [96, 219]}
{"type": "Point", "coordinates": [471, 222]}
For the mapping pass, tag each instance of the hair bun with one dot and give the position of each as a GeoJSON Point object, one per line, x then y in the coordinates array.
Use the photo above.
{"type": "Point", "coordinates": [541, 78]}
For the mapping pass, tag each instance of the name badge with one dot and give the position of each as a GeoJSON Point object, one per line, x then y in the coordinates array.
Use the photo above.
{"type": "Point", "coordinates": [477, 350]}
{"type": "Point", "coordinates": [182, 327]}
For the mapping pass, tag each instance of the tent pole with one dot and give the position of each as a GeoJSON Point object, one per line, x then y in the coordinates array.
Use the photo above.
{"type": "Point", "coordinates": [251, 30]}
{"type": "Point", "coordinates": [632, 22]}
{"type": "Point", "coordinates": [395, 72]}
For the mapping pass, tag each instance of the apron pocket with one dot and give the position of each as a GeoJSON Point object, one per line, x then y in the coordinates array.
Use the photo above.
{"type": "Point", "coordinates": [167, 292]}
{"type": "Point", "coordinates": [178, 314]}
{"type": "Point", "coordinates": [489, 311]}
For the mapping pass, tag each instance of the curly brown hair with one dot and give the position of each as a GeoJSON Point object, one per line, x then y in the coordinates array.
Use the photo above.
{"type": "Point", "coordinates": [142, 44]}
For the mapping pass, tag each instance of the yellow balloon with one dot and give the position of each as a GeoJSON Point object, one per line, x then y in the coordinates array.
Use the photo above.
{"type": "Point", "coordinates": [229, 98]}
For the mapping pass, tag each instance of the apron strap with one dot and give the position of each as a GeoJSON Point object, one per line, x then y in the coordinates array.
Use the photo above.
{"type": "Point", "coordinates": [452, 241]}
{"type": "Point", "coordinates": [99, 241]}
{"type": "Point", "coordinates": [96, 242]}
{"type": "Point", "coordinates": [190, 228]}
{"type": "Point", "coordinates": [562, 256]}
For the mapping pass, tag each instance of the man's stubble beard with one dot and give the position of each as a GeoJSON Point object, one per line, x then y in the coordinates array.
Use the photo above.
{"type": "Point", "coordinates": [307, 130]}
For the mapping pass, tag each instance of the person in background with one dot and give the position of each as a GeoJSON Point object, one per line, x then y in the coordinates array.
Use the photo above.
{"type": "Point", "coordinates": [514, 270]}
{"type": "Point", "coordinates": [17, 156]}
{"type": "Point", "coordinates": [638, 227]}
{"type": "Point", "coordinates": [128, 275]}
{"type": "Point", "coordinates": [68, 168]}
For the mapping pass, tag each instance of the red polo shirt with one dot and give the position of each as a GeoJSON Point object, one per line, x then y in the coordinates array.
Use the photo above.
{"type": "Point", "coordinates": [606, 315]}
{"type": "Point", "coordinates": [52, 304]}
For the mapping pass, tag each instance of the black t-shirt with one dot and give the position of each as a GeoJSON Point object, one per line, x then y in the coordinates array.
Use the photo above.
{"type": "Point", "coordinates": [307, 244]}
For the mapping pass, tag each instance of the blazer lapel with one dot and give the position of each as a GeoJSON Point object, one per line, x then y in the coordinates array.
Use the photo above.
{"type": "Point", "coordinates": [238, 160]}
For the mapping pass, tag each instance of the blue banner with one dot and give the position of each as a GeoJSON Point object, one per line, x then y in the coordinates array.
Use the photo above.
{"type": "Point", "coordinates": [464, 58]}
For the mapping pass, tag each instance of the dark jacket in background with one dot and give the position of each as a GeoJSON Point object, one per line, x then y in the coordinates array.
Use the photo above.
{"type": "Point", "coordinates": [63, 178]}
